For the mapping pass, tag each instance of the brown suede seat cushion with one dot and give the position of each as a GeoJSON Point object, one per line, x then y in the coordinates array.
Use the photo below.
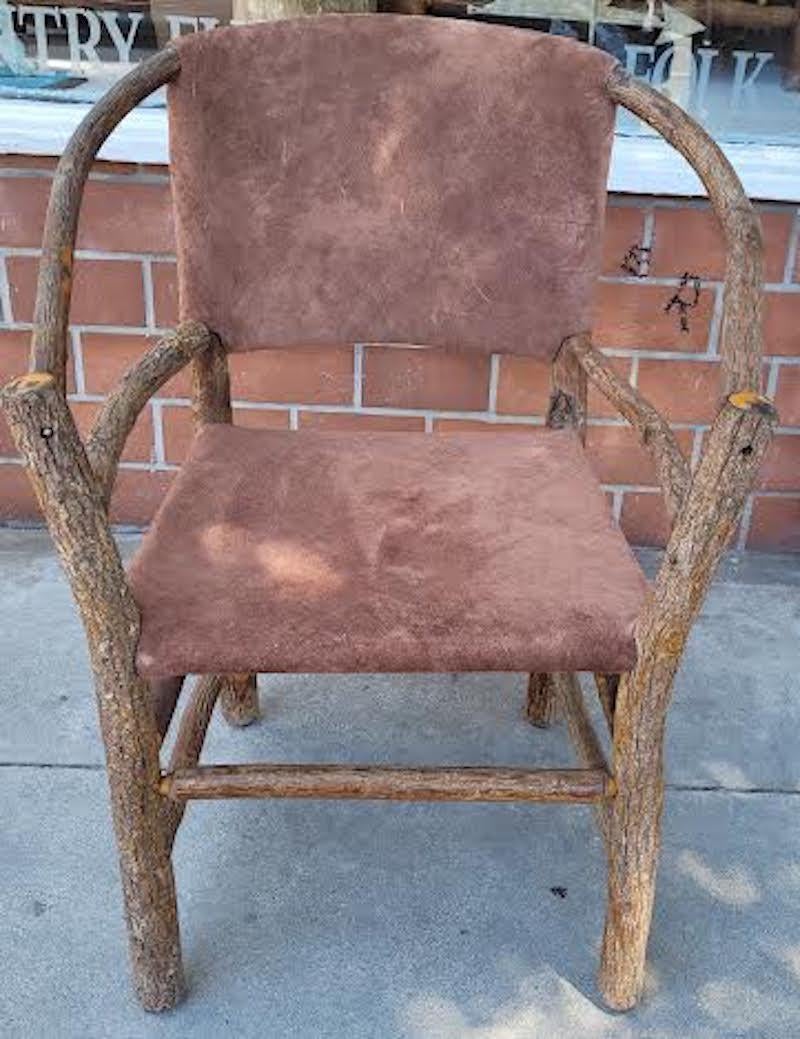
{"type": "Point", "coordinates": [347, 552]}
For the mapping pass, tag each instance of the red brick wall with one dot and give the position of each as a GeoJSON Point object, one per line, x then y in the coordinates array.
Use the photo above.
{"type": "Point", "coordinates": [125, 294]}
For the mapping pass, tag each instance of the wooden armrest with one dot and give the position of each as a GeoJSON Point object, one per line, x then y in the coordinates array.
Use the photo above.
{"type": "Point", "coordinates": [741, 346]}
{"type": "Point", "coordinates": [671, 467]}
{"type": "Point", "coordinates": [54, 289]}
{"type": "Point", "coordinates": [122, 407]}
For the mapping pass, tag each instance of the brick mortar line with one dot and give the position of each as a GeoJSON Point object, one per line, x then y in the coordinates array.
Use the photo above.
{"type": "Point", "coordinates": [791, 250]}
{"type": "Point", "coordinates": [772, 379]}
{"type": "Point", "coordinates": [148, 293]}
{"type": "Point", "coordinates": [623, 352]}
{"type": "Point", "coordinates": [649, 231]}
{"type": "Point", "coordinates": [697, 447]}
{"type": "Point", "coordinates": [29, 252]}
{"type": "Point", "coordinates": [494, 378]}
{"type": "Point", "coordinates": [488, 418]}
{"type": "Point", "coordinates": [99, 176]}
{"type": "Point", "coordinates": [5, 294]}
{"type": "Point", "coordinates": [358, 374]}
{"type": "Point", "coordinates": [159, 456]}
{"type": "Point", "coordinates": [77, 361]}
{"type": "Point", "coordinates": [786, 285]}
{"type": "Point", "coordinates": [617, 499]}
{"type": "Point", "coordinates": [715, 324]}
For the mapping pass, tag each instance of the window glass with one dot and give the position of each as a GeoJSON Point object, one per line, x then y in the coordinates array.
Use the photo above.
{"type": "Point", "coordinates": [73, 54]}
{"type": "Point", "coordinates": [734, 64]}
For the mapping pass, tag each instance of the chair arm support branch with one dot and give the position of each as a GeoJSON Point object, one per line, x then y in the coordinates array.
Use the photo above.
{"type": "Point", "coordinates": [653, 429]}
{"type": "Point", "coordinates": [741, 336]}
{"type": "Point", "coordinates": [736, 445]}
{"type": "Point", "coordinates": [118, 414]}
{"type": "Point", "coordinates": [54, 289]}
{"type": "Point", "coordinates": [48, 440]}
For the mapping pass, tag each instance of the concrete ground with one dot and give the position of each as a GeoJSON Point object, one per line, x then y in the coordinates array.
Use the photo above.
{"type": "Point", "coordinates": [326, 920]}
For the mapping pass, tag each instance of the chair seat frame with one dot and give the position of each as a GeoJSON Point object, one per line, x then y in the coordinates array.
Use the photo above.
{"type": "Point", "coordinates": [73, 482]}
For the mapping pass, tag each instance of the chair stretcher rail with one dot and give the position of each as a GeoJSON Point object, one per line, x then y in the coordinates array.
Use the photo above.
{"type": "Point", "coordinates": [580, 786]}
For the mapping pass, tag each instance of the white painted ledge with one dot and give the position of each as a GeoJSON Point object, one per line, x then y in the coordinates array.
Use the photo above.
{"type": "Point", "coordinates": [639, 165]}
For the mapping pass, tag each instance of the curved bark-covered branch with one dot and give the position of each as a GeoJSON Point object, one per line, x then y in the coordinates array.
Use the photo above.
{"type": "Point", "coordinates": [568, 398]}
{"type": "Point", "coordinates": [122, 407]}
{"type": "Point", "coordinates": [736, 445]}
{"type": "Point", "coordinates": [741, 338]}
{"type": "Point", "coordinates": [211, 385]}
{"type": "Point", "coordinates": [672, 468]}
{"type": "Point", "coordinates": [51, 314]}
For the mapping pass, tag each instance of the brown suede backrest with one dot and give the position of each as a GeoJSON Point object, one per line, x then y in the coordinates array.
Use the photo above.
{"type": "Point", "coordinates": [393, 179]}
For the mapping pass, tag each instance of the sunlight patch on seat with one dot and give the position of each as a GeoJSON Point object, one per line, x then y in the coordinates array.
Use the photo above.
{"type": "Point", "coordinates": [296, 570]}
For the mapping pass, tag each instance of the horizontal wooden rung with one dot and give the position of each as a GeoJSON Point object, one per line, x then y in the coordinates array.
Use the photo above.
{"type": "Point", "coordinates": [371, 782]}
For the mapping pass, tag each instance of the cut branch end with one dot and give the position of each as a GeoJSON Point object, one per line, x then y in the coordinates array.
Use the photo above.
{"type": "Point", "coordinates": [31, 382]}
{"type": "Point", "coordinates": [751, 400]}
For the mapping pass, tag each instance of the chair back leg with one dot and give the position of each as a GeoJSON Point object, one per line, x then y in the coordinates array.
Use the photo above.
{"type": "Point", "coordinates": [239, 699]}
{"type": "Point", "coordinates": [144, 848]}
{"type": "Point", "coordinates": [540, 709]}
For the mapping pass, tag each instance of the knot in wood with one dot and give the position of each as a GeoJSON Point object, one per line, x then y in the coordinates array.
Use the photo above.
{"type": "Point", "coordinates": [672, 642]}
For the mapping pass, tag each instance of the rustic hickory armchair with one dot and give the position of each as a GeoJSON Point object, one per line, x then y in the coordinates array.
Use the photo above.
{"type": "Point", "coordinates": [398, 180]}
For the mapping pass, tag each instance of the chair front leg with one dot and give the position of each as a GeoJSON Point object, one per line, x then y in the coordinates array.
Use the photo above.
{"type": "Point", "coordinates": [148, 882]}
{"type": "Point", "coordinates": [633, 842]}
{"type": "Point", "coordinates": [72, 502]}
{"type": "Point", "coordinates": [727, 470]}
{"type": "Point", "coordinates": [239, 699]}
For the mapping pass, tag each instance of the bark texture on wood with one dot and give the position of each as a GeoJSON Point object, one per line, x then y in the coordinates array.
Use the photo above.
{"type": "Point", "coordinates": [743, 299]}
{"type": "Point", "coordinates": [568, 406]}
{"type": "Point", "coordinates": [540, 708]}
{"type": "Point", "coordinates": [211, 385]}
{"type": "Point", "coordinates": [246, 11]}
{"type": "Point", "coordinates": [402, 6]}
{"type": "Point", "coordinates": [654, 432]}
{"type": "Point", "coordinates": [373, 782]}
{"type": "Point", "coordinates": [54, 290]}
{"type": "Point", "coordinates": [736, 445]}
{"type": "Point", "coordinates": [607, 686]}
{"type": "Point", "coordinates": [45, 434]}
{"type": "Point", "coordinates": [583, 737]}
{"type": "Point", "coordinates": [579, 726]}
{"type": "Point", "coordinates": [188, 745]}
{"type": "Point", "coordinates": [239, 699]}
{"type": "Point", "coordinates": [121, 408]}
{"type": "Point", "coordinates": [164, 693]}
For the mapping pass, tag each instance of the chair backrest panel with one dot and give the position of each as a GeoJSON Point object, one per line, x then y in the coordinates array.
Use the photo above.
{"type": "Point", "coordinates": [394, 179]}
